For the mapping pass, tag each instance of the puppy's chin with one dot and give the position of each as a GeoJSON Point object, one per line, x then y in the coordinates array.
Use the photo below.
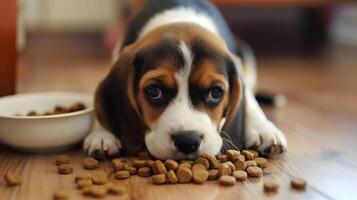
{"type": "Point", "coordinates": [162, 147]}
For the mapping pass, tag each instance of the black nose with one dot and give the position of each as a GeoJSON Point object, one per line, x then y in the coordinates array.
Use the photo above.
{"type": "Point", "coordinates": [187, 141]}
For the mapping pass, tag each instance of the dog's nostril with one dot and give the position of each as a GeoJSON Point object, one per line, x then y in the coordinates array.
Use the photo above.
{"type": "Point", "coordinates": [187, 141]}
{"type": "Point", "coordinates": [202, 136]}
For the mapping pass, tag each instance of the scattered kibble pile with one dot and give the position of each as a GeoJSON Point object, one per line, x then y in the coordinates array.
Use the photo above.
{"type": "Point", "coordinates": [227, 169]}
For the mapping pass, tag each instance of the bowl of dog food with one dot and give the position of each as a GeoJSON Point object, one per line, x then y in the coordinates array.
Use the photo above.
{"type": "Point", "coordinates": [45, 121]}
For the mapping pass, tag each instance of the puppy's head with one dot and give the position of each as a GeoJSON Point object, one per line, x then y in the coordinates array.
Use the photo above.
{"type": "Point", "coordinates": [180, 85]}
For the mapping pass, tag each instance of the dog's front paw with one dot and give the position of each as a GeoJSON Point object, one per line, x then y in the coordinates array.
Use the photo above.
{"type": "Point", "coordinates": [100, 144]}
{"type": "Point", "coordinates": [266, 138]}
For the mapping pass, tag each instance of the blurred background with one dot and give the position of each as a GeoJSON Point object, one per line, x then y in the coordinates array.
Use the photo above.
{"type": "Point", "coordinates": [66, 44]}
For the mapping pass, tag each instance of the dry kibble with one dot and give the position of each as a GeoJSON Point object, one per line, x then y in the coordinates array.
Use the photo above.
{"type": "Point", "coordinates": [190, 162]}
{"type": "Point", "coordinates": [254, 172]}
{"type": "Point", "coordinates": [84, 183]}
{"type": "Point", "coordinates": [255, 153]}
{"type": "Point", "coordinates": [96, 190]}
{"type": "Point", "coordinates": [90, 163]}
{"type": "Point", "coordinates": [171, 164]}
{"type": "Point", "coordinates": [198, 167]}
{"type": "Point", "coordinates": [203, 162]}
{"type": "Point", "coordinates": [240, 175]}
{"type": "Point", "coordinates": [213, 162]}
{"type": "Point", "coordinates": [65, 169]}
{"type": "Point", "coordinates": [232, 155]}
{"type": "Point", "coordinates": [271, 185]}
{"type": "Point", "coordinates": [240, 164]}
{"type": "Point", "coordinates": [99, 178]}
{"type": "Point", "coordinates": [213, 174]}
{"type": "Point", "coordinates": [144, 171]}
{"type": "Point", "coordinates": [224, 169]}
{"type": "Point", "coordinates": [184, 174]}
{"type": "Point", "coordinates": [159, 179]}
{"type": "Point", "coordinates": [117, 164]}
{"type": "Point", "coordinates": [62, 159]}
{"type": "Point", "coordinates": [231, 165]}
{"type": "Point", "coordinates": [199, 175]}
{"type": "Point", "coordinates": [227, 180]}
{"type": "Point", "coordinates": [122, 174]}
{"type": "Point", "coordinates": [117, 189]}
{"type": "Point", "coordinates": [248, 155]}
{"type": "Point", "coordinates": [171, 177]}
{"type": "Point", "coordinates": [261, 162]}
{"type": "Point", "coordinates": [151, 163]}
{"type": "Point", "coordinates": [82, 175]}
{"type": "Point", "coordinates": [132, 170]}
{"type": "Point", "coordinates": [158, 167]}
{"type": "Point", "coordinates": [140, 163]}
{"type": "Point", "coordinates": [61, 194]}
{"type": "Point", "coordinates": [223, 159]}
{"type": "Point", "coordinates": [251, 163]}
{"type": "Point", "coordinates": [298, 183]}
{"type": "Point", "coordinates": [12, 180]}
{"type": "Point", "coordinates": [185, 165]}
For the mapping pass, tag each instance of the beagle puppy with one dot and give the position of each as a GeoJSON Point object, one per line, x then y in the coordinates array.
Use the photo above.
{"type": "Point", "coordinates": [181, 86]}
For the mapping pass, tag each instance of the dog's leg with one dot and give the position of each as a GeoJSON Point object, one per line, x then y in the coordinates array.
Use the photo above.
{"type": "Point", "coordinates": [261, 133]}
{"type": "Point", "coordinates": [100, 142]}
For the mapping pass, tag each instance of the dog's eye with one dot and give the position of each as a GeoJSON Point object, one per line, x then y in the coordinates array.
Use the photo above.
{"type": "Point", "coordinates": [154, 92]}
{"type": "Point", "coordinates": [215, 94]}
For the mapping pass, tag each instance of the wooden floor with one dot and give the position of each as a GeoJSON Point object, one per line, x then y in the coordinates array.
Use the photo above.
{"type": "Point", "coordinates": [319, 120]}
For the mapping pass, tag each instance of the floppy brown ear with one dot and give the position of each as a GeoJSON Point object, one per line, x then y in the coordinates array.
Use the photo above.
{"type": "Point", "coordinates": [235, 88]}
{"type": "Point", "coordinates": [234, 123]}
{"type": "Point", "coordinates": [115, 104]}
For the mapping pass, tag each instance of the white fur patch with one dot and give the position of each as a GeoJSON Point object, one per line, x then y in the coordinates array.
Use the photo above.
{"type": "Point", "coordinates": [177, 15]}
{"type": "Point", "coordinates": [180, 115]}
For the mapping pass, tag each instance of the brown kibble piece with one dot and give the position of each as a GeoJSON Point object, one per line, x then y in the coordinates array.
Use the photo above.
{"type": "Point", "coordinates": [213, 174]}
{"type": "Point", "coordinates": [248, 155]}
{"type": "Point", "coordinates": [132, 170]}
{"type": "Point", "coordinates": [185, 165]}
{"type": "Point", "coordinates": [224, 169]}
{"type": "Point", "coordinates": [82, 175]}
{"type": "Point", "coordinates": [240, 175]}
{"type": "Point", "coordinates": [255, 153]}
{"type": "Point", "coordinates": [140, 163]}
{"type": "Point", "coordinates": [232, 155]}
{"type": "Point", "coordinates": [144, 171]}
{"type": "Point", "coordinates": [171, 164]}
{"type": "Point", "coordinates": [213, 162]}
{"type": "Point", "coordinates": [84, 183]}
{"type": "Point", "coordinates": [117, 189]}
{"type": "Point", "coordinates": [199, 175]}
{"type": "Point", "coordinates": [99, 178]}
{"type": "Point", "coordinates": [12, 180]}
{"type": "Point", "coordinates": [90, 163]}
{"type": "Point", "coordinates": [251, 163]}
{"type": "Point", "coordinates": [117, 164]}
{"type": "Point", "coordinates": [261, 162]}
{"type": "Point", "coordinates": [65, 169]}
{"type": "Point", "coordinates": [62, 159]}
{"type": "Point", "coordinates": [96, 190]}
{"type": "Point", "coordinates": [231, 165]}
{"type": "Point", "coordinates": [190, 162]}
{"type": "Point", "coordinates": [298, 183]}
{"type": "Point", "coordinates": [227, 180]}
{"type": "Point", "coordinates": [61, 194]}
{"type": "Point", "coordinates": [271, 185]}
{"type": "Point", "coordinates": [159, 179]}
{"type": "Point", "coordinates": [159, 167]}
{"type": "Point", "coordinates": [254, 172]}
{"type": "Point", "coordinates": [223, 159]}
{"type": "Point", "coordinates": [240, 164]}
{"type": "Point", "coordinates": [184, 174]}
{"type": "Point", "coordinates": [122, 174]}
{"type": "Point", "coordinates": [202, 161]}
{"type": "Point", "coordinates": [171, 177]}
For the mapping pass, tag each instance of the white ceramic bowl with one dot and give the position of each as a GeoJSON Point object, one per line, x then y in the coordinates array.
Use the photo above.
{"type": "Point", "coordinates": [44, 133]}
